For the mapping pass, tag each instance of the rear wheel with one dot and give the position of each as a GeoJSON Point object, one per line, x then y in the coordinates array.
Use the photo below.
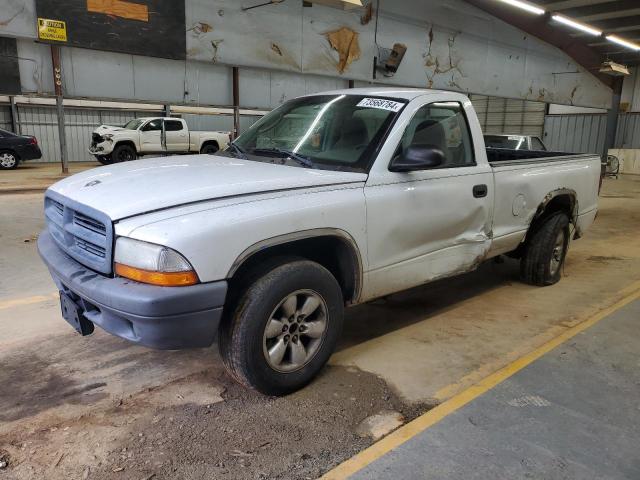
{"type": "Point", "coordinates": [209, 148]}
{"type": "Point", "coordinates": [123, 153]}
{"type": "Point", "coordinates": [284, 328]}
{"type": "Point", "coordinates": [8, 160]}
{"type": "Point", "coordinates": [546, 251]}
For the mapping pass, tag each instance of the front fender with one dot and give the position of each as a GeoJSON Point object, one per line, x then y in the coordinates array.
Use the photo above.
{"type": "Point", "coordinates": [215, 238]}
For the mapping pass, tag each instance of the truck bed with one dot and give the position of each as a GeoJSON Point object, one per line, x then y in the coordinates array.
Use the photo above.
{"type": "Point", "coordinates": [508, 155]}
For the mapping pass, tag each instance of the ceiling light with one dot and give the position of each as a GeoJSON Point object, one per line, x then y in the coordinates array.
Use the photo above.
{"type": "Point", "coordinates": [525, 6]}
{"type": "Point", "coordinates": [576, 25]}
{"type": "Point", "coordinates": [623, 42]}
{"type": "Point", "coordinates": [614, 69]}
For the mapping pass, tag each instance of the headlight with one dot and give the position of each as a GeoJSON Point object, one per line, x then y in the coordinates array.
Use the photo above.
{"type": "Point", "coordinates": [150, 263]}
{"type": "Point", "coordinates": [108, 136]}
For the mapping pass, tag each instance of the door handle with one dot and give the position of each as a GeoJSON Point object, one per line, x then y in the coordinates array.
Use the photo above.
{"type": "Point", "coordinates": [480, 191]}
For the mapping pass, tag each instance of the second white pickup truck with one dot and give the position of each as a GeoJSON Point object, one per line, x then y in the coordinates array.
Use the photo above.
{"type": "Point", "coordinates": [152, 135]}
{"type": "Point", "coordinates": [331, 200]}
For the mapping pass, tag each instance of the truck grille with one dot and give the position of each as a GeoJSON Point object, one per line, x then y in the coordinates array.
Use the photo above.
{"type": "Point", "coordinates": [83, 233]}
{"type": "Point", "coordinates": [96, 138]}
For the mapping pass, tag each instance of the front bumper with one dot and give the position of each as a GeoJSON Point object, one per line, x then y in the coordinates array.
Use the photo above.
{"type": "Point", "coordinates": [102, 148]}
{"type": "Point", "coordinates": [158, 317]}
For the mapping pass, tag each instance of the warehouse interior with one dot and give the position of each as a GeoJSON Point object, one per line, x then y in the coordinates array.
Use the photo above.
{"type": "Point", "coordinates": [473, 373]}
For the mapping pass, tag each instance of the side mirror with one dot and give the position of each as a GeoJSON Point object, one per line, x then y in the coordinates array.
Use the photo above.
{"type": "Point", "coordinates": [418, 158]}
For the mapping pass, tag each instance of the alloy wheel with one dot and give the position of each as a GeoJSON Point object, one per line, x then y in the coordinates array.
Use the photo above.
{"type": "Point", "coordinates": [295, 331]}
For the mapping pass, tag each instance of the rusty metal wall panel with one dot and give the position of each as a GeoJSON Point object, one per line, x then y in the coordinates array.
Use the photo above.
{"type": "Point", "coordinates": [450, 45]}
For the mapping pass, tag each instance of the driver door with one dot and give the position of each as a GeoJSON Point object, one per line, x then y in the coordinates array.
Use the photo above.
{"type": "Point", "coordinates": [151, 136]}
{"type": "Point", "coordinates": [435, 222]}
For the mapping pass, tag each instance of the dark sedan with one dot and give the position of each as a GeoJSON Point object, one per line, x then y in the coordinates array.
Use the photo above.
{"type": "Point", "coordinates": [17, 148]}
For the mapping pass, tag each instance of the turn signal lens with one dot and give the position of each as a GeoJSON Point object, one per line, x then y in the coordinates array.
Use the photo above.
{"type": "Point", "coordinates": [164, 279]}
{"type": "Point", "coordinates": [150, 263]}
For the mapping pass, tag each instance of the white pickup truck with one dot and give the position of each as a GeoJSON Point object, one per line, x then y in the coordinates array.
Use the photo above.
{"type": "Point", "coordinates": [152, 135]}
{"type": "Point", "coordinates": [330, 200]}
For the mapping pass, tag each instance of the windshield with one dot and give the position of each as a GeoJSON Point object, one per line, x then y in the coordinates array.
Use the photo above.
{"type": "Point", "coordinates": [513, 142]}
{"type": "Point", "coordinates": [133, 124]}
{"type": "Point", "coordinates": [335, 132]}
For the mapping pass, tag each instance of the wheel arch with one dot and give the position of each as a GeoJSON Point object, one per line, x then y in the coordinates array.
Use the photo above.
{"type": "Point", "coordinates": [332, 248]}
{"type": "Point", "coordinates": [210, 142]}
{"type": "Point", "coordinates": [11, 151]}
{"type": "Point", "coordinates": [559, 200]}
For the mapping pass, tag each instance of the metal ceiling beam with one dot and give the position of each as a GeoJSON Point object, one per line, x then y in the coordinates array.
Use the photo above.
{"type": "Point", "coordinates": [567, 4]}
{"type": "Point", "coordinates": [631, 12]}
{"type": "Point", "coordinates": [628, 28]}
{"type": "Point", "coordinates": [609, 44]}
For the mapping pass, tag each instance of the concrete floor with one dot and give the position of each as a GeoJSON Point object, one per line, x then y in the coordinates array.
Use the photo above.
{"type": "Point", "coordinates": [75, 403]}
{"type": "Point", "coordinates": [572, 414]}
{"type": "Point", "coordinates": [34, 177]}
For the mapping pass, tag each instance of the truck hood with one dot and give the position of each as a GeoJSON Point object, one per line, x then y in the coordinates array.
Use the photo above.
{"type": "Point", "coordinates": [102, 129]}
{"type": "Point", "coordinates": [141, 186]}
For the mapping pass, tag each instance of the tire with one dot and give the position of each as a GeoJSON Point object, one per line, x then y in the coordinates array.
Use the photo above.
{"type": "Point", "coordinates": [546, 251]}
{"type": "Point", "coordinates": [209, 148]}
{"type": "Point", "coordinates": [104, 159]}
{"type": "Point", "coordinates": [8, 160]}
{"type": "Point", "coordinates": [264, 354]}
{"type": "Point", "coordinates": [123, 153]}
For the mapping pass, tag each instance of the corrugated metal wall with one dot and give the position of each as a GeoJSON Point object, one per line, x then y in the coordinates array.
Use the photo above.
{"type": "Point", "coordinates": [586, 133]}
{"type": "Point", "coordinates": [41, 122]}
{"type": "Point", "coordinates": [504, 115]}
{"type": "Point", "coordinates": [628, 131]}
{"type": "Point", "coordinates": [5, 118]}
{"type": "Point", "coordinates": [575, 133]}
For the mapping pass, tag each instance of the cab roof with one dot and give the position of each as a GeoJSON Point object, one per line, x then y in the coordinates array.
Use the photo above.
{"type": "Point", "coordinates": [392, 92]}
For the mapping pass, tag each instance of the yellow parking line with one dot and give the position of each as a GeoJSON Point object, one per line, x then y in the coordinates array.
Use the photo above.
{"type": "Point", "coordinates": [413, 428]}
{"type": "Point", "coordinates": [18, 302]}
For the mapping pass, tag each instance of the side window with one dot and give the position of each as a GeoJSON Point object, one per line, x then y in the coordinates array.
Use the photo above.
{"type": "Point", "coordinates": [536, 144]}
{"type": "Point", "coordinates": [172, 125]}
{"type": "Point", "coordinates": [153, 125]}
{"type": "Point", "coordinates": [441, 125]}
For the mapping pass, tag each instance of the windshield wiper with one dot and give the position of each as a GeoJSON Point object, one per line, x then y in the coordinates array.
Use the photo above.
{"type": "Point", "coordinates": [301, 159]}
{"type": "Point", "coordinates": [238, 150]}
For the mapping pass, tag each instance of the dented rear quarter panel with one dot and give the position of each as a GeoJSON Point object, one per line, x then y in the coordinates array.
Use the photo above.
{"type": "Point", "coordinates": [522, 188]}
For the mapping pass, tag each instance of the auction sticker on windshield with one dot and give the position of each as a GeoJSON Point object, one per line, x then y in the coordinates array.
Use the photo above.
{"type": "Point", "coordinates": [381, 103]}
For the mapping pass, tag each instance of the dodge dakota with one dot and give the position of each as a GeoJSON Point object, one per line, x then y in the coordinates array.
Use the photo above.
{"type": "Point", "coordinates": [146, 136]}
{"type": "Point", "coordinates": [330, 200]}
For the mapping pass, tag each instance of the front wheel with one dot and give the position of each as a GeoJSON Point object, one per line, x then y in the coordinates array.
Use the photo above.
{"type": "Point", "coordinates": [284, 328]}
{"type": "Point", "coordinates": [123, 153]}
{"type": "Point", "coordinates": [545, 251]}
{"type": "Point", "coordinates": [8, 160]}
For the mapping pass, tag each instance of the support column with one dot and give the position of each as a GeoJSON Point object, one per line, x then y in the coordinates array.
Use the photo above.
{"type": "Point", "coordinates": [57, 81]}
{"type": "Point", "coordinates": [236, 102]}
{"type": "Point", "coordinates": [15, 122]}
{"type": "Point", "coordinates": [612, 118]}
